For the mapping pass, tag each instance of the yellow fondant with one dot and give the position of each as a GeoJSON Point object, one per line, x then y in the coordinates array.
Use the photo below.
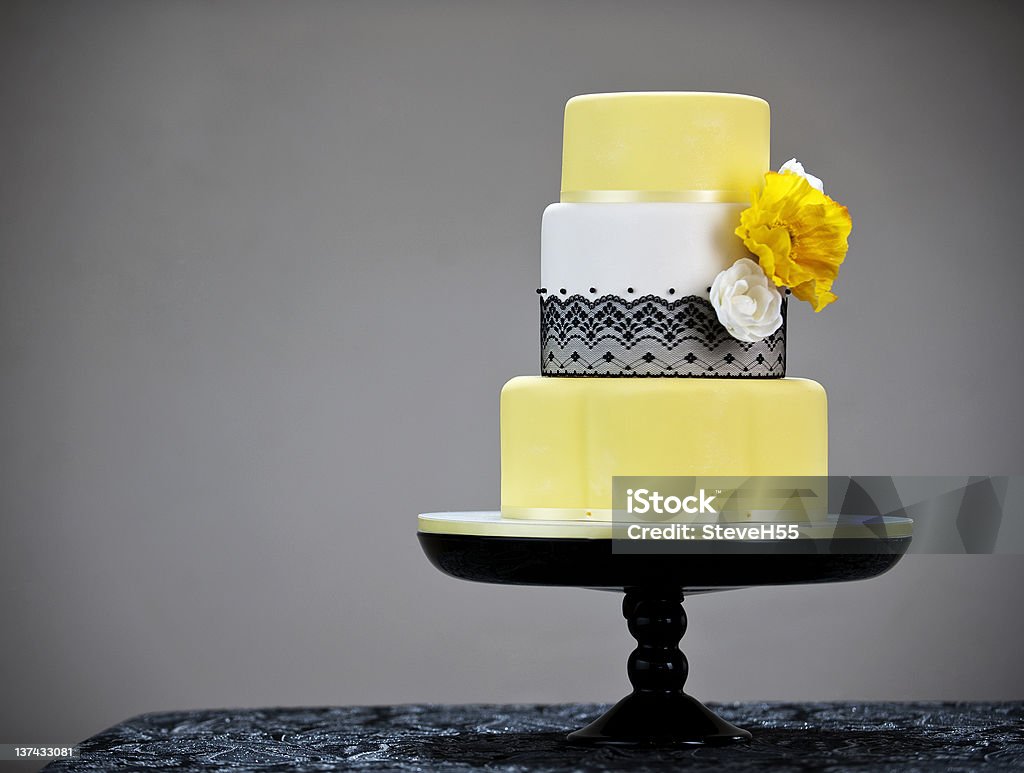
{"type": "Point", "coordinates": [563, 439]}
{"type": "Point", "coordinates": [665, 145]}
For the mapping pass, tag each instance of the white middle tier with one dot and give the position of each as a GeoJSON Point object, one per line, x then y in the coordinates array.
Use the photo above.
{"type": "Point", "coordinates": [651, 247]}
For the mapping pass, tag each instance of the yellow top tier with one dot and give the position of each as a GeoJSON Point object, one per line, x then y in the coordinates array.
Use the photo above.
{"type": "Point", "coordinates": [664, 146]}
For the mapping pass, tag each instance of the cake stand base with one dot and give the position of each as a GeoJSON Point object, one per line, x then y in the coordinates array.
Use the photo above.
{"type": "Point", "coordinates": [659, 719]}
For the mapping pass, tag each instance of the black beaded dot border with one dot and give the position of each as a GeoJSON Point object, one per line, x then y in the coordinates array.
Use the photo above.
{"type": "Point", "coordinates": [593, 290]}
{"type": "Point", "coordinates": [670, 291]}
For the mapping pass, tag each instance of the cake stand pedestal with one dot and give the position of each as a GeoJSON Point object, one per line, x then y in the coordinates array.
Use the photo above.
{"type": "Point", "coordinates": [483, 547]}
{"type": "Point", "coordinates": [658, 711]}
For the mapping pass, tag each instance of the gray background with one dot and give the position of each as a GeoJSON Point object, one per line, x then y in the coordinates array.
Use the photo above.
{"type": "Point", "coordinates": [265, 267]}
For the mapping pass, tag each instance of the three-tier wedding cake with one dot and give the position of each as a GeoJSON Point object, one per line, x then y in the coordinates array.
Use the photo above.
{"type": "Point", "coordinates": [666, 270]}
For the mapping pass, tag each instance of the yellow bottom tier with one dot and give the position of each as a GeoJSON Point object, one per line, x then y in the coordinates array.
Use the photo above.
{"type": "Point", "coordinates": [562, 439]}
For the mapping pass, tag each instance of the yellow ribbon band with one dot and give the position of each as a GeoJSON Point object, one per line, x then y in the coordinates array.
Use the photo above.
{"type": "Point", "coordinates": [557, 514]}
{"type": "Point", "coordinates": [692, 197]}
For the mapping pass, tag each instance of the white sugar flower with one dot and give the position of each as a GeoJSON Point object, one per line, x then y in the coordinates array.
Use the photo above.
{"type": "Point", "coordinates": [795, 167]}
{"type": "Point", "coordinates": [748, 305]}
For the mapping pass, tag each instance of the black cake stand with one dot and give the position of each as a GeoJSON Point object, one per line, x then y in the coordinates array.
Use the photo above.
{"type": "Point", "coordinates": [483, 547]}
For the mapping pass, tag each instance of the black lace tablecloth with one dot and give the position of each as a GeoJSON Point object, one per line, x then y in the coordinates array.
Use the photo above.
{"type": "Point", "coordinates": [820, 736]}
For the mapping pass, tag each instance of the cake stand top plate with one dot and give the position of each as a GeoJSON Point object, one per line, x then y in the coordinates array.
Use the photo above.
{"type": "Point", "coordinates": [483, 547]}
{"type": "Point", "coordinates": [489, 523]}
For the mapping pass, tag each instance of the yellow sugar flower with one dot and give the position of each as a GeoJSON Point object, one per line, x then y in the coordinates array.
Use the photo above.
{"type": "Point", "coordinates": [799, 236]}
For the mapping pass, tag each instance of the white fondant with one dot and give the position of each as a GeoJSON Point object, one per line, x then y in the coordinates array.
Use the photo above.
{"type": "Point", "coordinates": [650, 247]}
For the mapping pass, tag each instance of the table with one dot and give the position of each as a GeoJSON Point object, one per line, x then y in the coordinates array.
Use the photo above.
{"type": "Point", "coordinates": [787, 736]}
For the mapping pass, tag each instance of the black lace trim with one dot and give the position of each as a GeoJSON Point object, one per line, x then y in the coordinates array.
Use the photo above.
{"type": "Point", "coordinates": [650, 336]}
